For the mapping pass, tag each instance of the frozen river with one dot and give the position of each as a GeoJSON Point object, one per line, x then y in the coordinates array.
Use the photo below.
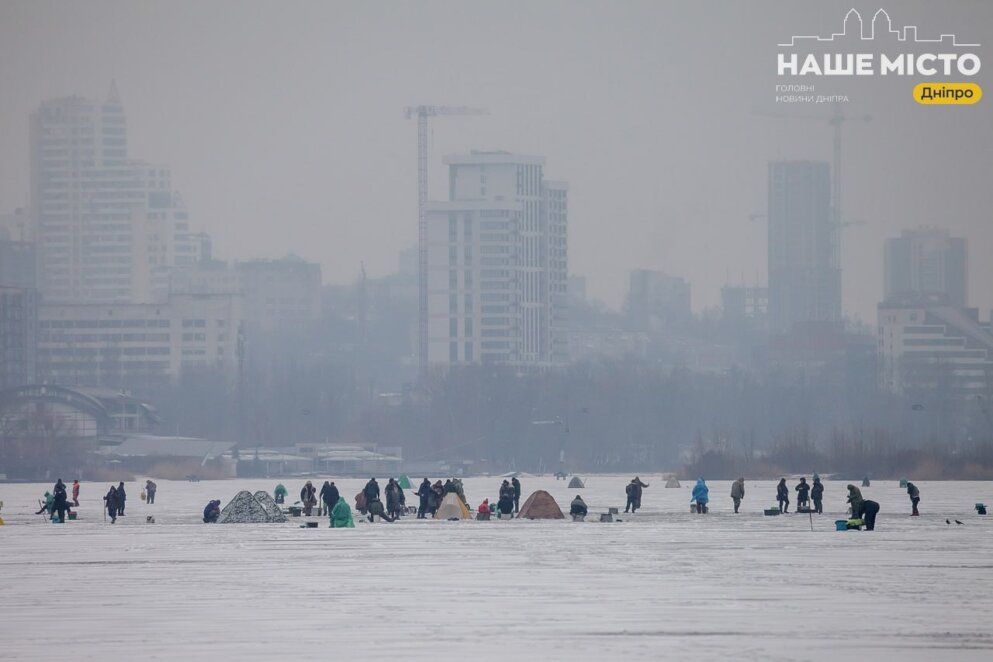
{"type": "Point", "coordinates": [662, 585]}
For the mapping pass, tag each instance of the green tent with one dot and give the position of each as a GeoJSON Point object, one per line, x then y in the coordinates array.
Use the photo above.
{"type": "Point", "coordinates": [404, 482]}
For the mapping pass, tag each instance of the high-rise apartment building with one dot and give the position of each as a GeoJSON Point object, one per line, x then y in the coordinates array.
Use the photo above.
{"type": "Point", "coordinates": [108, 228]}
{"type": "Point", "coordinates": [927, 261]}
{"type": "Point", "coordinates": [804, 271]}
{"type": "Point", "coordinates": [498, 264]}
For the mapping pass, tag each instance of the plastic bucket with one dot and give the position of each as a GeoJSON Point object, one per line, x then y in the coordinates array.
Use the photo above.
{"type": "Point", "coordinates": [841, 524]}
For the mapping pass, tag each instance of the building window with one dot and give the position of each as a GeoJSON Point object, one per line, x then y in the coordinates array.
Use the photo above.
{"type": "Point", "coordinates": [468, 351]}
{"type": "Point", "coordinates": [468, 303]}
{"type": "Point", "coordinates": [453, 304]}
{"type": "Point", "coordinates": [453, 328]}
{"type": "Point", "coordinates": [468, 327]}
{"type": "Point", "coordinates": [453, 352]}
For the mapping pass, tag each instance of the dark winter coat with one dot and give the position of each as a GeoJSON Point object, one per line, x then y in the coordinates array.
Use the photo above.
{"type": "Point", "coordinates": [111, 500]}
{"type": "Point", "coordinates": [307, 493]}
{"type": "Point", "coordinates": [578, 507]}
{"type": "Point", "coordinates": [802, 491]}
{"type": "Point", "coordinates": [331, 496]}
{"type": "Point", "coordinates": [738, 489]}
{"type": "Point", "coordinates": [913, 492]}
{"type": "Point", "coordinates": [516, 484]}
{"type": "Point", "coordinates": [121, 494]}
{"type": "Point", "coordinates": [371, 491]}
{"type": "Point", "coordinates": [782, 492]}
{"type": "Point", "coordinates": [817, 491]}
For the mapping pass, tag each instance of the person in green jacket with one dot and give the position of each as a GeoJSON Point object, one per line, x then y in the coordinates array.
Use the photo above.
{"type": "Point", "coordinates": [49, 502]}
{"type": "Point", "coordinates": [341, 515]}
{"type": "Point", "coordinates": [280, 493]}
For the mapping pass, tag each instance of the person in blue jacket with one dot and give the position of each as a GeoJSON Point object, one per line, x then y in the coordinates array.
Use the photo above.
{"type": "Point", "coordinates": [211, 512]}
{"type": "Point", "coordinates": [701, 495]}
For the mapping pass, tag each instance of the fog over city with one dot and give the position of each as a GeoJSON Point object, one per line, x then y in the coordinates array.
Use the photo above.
{"type": "Point", "coordinates": [496, 330]}
{"type": "Point", "coordinates": [543, 236]}
{"type": "Point", "coordinates": [284, 129]}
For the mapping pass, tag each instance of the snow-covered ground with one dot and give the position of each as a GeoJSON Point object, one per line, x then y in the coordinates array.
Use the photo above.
{"type": "Point", "coordinates": [663, 584]}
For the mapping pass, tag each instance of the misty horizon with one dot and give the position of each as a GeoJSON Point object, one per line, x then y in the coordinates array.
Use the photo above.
{"type": "Point", "coordinates": [285, 130]}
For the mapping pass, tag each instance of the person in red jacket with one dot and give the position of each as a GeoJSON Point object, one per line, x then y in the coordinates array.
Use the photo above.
{"type": "Point", "coordinates": [75, 493]}
{"type": "Point", "coordinates": [484, 507]}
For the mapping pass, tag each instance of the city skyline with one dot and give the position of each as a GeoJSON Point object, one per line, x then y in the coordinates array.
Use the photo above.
{"type": "Point", "coordinates": [681, 198]}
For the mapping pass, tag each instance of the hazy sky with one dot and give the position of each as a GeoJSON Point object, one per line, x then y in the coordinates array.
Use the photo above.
{"type": "Point", "coordinates": [283, 124]}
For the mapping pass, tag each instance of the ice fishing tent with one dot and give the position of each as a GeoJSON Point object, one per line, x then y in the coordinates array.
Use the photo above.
{"type": "Point", "coordinates": [272, 509]}
{"type": "Point", "coordinates": [452, 508]}
{"type": "Point", "coordinates": [541, 505]}
{"type": "Point", "coordinates": [404, 482]}
{"type": "Point", "coordinates": [672, 482]}
{"type": "Point", "coordinates": [576, 483]}
{"type": "Point", "coordinates": [243, 509]}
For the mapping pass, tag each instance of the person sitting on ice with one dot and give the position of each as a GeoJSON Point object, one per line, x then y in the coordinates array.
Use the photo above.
{"type": "Point", "coordinates": [49, 502]}
{"type": "Point", "coordinates": [280, 493]}
{"type": "Point", "coordinates": [341, 515]}
{"type": "Point", "coordinates": [376, 508]}
{"type": "Point", "coordinates": [211, 512]}
{"type": "Point", "coordinates": [578, 507]}
{"type": "Point", "coordinates": [484, 507]}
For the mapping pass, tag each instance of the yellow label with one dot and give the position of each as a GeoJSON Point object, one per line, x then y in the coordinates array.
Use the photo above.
{"type": "Point", "coordinates": [961, 94]}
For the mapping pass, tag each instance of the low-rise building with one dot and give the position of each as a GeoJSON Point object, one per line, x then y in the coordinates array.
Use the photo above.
{"type": "Point", "coordinates": [135, 345]}
{"type": "Point", "coordinates": [929, 345]}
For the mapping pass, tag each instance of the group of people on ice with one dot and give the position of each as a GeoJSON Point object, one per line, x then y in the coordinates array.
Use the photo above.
{"type": "Point", "coordinates": [804, 494]}
{"type": "Point", "coordinates": [56, 503]}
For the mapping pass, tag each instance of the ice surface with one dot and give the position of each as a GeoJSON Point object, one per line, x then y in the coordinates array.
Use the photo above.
{"type": "Point", "coordinates": [663, 584]}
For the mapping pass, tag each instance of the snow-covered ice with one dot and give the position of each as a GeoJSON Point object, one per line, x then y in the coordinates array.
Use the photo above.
{"type": "Point", "coordinates": [663, 584]}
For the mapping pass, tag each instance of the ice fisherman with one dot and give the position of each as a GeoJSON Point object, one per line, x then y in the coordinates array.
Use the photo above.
{"type": "Point", "coordinates": [633, 492]}
{"type": "Point", "coordinates": [279, 494]}
{"type": "Point", "coordinates": [47, 506]}
{"type": "Point", "coordinates": [701, 495]}
{"type": "Point", "coordinates": [308, 497]}
{"type": "Point", "coordinates": [737, 492]}
{"type": "Point", "coordinates": [915, 498]}
{"type": "Point", "coordinates": [869, 511]}
{"type": "Point", "coordinates": [376, 508]}
{"type": "Point", "coordinates": [856, 500]}
{"type": "Point", "coordinates": [341, 515]}
{"type": "Point", "coordinates": [484, 507]}
{"type": "Point", "coordinates": [212, 511]}
{"type": "Point", "coordinates": [578, 507]}
{"type": "Point", "coordinates": [150, 488]}
{"type": "Point", "coordinates": [424, 494]}
{"type": "Point", "coordinates": [783, 496]}
{"type": "Point", "coordinates": [121, 499]}
{"type": "Point", "coordinates": [802, 494]}
{"type": "Point", "coordinates": [371, 491]}
{"type": "Point", "coordinates": [817, 494]}
{"type": "Point", "coordinates": [75, 493]}
{"type": "Point", "coordinates": [110, 503]}
{"type": "Point", "coordinates": [505, 504]}
{"type": "Point", "coordinates": [329, 496]}
{"type": "Point", "coordinates": [60, 504]}
{"type": "Point", "coordinates": [395, 499]}
{"type": "Point", "coordinates": [516, 484]}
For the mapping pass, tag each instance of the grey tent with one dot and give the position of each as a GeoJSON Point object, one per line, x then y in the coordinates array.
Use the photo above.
{"type": "Point", "coordinates": [576, 483]}
{"type": "Point", "coordinates": [672, 482]}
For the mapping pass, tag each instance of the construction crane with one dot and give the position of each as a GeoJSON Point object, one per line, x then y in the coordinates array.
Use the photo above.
{"type": "Point", "coordinates": [835, 120]}
{"type": "Point", "coordinates": [422, 113]}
